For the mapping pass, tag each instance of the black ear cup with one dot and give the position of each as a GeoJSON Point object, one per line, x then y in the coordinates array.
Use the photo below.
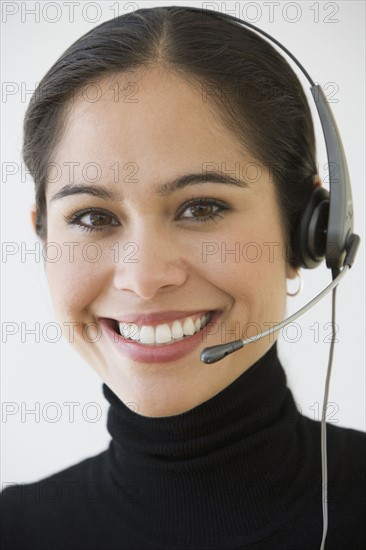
{"type": "Point", "coordinates": [311, 236]}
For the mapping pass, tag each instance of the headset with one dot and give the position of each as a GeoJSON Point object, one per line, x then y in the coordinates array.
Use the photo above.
{"type": "Point", "coordinates": [325, 230]}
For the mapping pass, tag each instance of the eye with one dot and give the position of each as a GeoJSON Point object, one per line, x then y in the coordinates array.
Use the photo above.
{"type": "Point", "coordinates": [202, 209]}
{"type": "Point", "coordinates": [99, 220]}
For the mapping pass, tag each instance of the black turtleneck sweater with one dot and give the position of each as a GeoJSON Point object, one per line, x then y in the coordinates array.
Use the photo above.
{"type": "Point", "coordinates": [239, 471]}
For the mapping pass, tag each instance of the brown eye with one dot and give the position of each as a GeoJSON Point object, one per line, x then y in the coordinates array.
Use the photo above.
{"type": "Point", "coordinates": [92, 220]}
{"type": "Point", "coordinates": [98, 219]}
{"type": "Point", "coordinates": [201, 209]}
{"type": "Point", "coordinates": [204, 210]}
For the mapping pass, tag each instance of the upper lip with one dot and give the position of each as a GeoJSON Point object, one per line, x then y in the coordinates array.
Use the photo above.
{"type": "Point", "coordinates": [158, 317]}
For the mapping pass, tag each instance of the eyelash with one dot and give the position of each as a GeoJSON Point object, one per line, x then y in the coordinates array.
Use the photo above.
{"type": "Point", "coordinates": [74, 217]}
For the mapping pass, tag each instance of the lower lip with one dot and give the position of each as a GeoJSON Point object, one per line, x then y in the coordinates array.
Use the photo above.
{"type": "Point", "coordinates": [145, 353]}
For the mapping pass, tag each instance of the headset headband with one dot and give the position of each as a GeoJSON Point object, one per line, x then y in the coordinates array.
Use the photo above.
{"type": "Point", "coordinates": [336, 212]}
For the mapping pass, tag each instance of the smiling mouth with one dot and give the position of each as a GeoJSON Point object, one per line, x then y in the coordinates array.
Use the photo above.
{"type": "Point", "coordinates": [161, 335]}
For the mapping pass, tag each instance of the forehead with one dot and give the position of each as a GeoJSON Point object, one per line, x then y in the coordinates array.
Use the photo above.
{"type": "Point", "coordinates": [150, 111]}
{"type": "Point", "coordinates": [147, 127]}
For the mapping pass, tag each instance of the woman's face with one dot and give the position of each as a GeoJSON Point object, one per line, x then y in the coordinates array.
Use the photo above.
{"type": "Point", "coordinates": [153, 252]}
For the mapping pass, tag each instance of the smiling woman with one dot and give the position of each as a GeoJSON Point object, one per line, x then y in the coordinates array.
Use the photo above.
{"type": "Point", "coordinates": [169, 223]}
{"type": "Point", "coordinates": [179, 185]}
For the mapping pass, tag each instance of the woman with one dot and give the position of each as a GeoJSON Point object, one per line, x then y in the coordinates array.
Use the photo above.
{"type": "Point", "coordinates": [193, 155]}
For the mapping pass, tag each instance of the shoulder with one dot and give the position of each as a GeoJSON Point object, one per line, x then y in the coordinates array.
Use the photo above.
{"type": "Point", "coordinates": [346, 473]}
{"type": "Point", "coordinates": [53, 486]}
{"type": "Point", "coordinates": [346, 453]}
{"type": "Point", "coordinates": [346, 491]}
{"type": "Point", "coordinates": [346, 447]}
{"type": "Point", "coordinates": [36, 509]}
{"type": "Point", "coordinates": [346, 440]}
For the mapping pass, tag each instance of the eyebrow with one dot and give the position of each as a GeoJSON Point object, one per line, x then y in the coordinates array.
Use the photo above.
{"type": "Point", "coordinates": [165, 189]}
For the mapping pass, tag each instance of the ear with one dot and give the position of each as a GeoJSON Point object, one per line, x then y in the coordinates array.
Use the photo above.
{"type": "Point", "coordinates": [317, 181]}
{"type": "Point", "coordinates": [302, 234]}
{"type": "Point", "coordinates": [33, 218]}
{"type": "Point", "coordinates": [291, 272]}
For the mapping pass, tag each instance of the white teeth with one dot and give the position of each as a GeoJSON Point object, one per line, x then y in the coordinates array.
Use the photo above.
{"type": "Point", "coordinates": [164, 333]}
{"type": "Point", "coordinates": [177, 330]}
{"type": "Point", "coordinates": [147, 335]}
{"type": "Point", "coordinates": [188, 327]}
{"type": "Point", "coordinates": [136, 335]}
{"type": "Point", "coordinates": [129, 330]}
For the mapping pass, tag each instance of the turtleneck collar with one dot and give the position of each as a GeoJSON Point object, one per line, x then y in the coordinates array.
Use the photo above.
{"type": "Point", "coordinates": [220, 473]}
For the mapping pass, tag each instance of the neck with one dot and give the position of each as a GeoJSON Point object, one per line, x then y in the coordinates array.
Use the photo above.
{"type": "Point", "coordinates": [231, 461]}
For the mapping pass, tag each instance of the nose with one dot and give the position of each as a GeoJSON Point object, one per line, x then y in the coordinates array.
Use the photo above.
{"type": "Point", "coordinates": [149, 261]}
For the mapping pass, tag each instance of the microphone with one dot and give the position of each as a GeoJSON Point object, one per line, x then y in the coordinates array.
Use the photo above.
{"type": "Point", "coordinates": [216, 353]}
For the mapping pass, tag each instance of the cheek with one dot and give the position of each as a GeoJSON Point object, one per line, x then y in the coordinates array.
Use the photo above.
{"type": "Point", "coordinates": [250, 271]}
{"type": "Point", "coordinates": [75, 280]}
{"type": "Point", "coordinates": [246, 268]}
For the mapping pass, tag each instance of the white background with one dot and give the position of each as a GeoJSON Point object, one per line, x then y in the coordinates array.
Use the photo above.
{"type": "Point", "coordinates": [328, 39]}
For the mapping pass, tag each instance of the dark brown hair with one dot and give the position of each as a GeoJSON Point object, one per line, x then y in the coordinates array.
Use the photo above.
{"type": "Point", "coordinates": [253, 91]}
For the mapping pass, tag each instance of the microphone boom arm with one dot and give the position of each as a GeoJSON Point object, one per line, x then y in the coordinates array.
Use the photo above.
{"type": "Point", "coordinates": [216, 353]}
